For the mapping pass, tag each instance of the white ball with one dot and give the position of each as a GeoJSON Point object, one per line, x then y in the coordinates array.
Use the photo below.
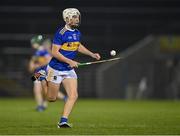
{"type": "Point", "coordinates": [113, 53]}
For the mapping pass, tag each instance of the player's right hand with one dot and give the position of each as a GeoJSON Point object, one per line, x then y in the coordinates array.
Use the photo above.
{"type": "Point", "coordinates": [96, 56]}
{"type": "Point", "coordinates": [73, 64]}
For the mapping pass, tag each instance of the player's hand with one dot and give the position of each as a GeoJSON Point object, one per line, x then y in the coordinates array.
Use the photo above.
{"type": "Point", "coordinates": [73, 64]}
{"type": "Point", "coordinates": [96, 56]}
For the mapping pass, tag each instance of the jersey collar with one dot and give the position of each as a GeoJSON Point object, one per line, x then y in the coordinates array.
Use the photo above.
{"type": "Point", "coordinates": [69, 28]}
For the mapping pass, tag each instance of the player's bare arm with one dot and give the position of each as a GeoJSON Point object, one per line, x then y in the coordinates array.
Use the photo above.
{"type": "Point", "coordinates": [60, 57]}
{"type": "Point", "coordinates": [33, 64]}
{"type": "Point", "coordinates": [85, 51]}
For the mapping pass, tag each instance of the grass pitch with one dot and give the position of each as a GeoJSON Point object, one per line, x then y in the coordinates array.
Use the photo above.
{"type": "Point", "coordinates": [17, 116]}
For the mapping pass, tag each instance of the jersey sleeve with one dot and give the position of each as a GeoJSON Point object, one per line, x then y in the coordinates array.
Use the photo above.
{"type": "Point", "coordinates": [58, 38]}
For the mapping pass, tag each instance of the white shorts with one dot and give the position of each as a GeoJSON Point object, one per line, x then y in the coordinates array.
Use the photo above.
{"type": "Point", "coordinates": [56, 76]}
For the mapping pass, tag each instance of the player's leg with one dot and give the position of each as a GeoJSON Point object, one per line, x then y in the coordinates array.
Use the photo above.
{"type": "Point", "coordinates": [70, 85]}
{"type": "Point", "coordinates": [38, 95]}
{"type": "Point", "coordinates": [42, 79]}
{"type": "Point", "coordinates": [62, 96]}
{"type": "Point", "coordinates": [52, 93]}
{"type": "Point", "coordinates": [54, 81]}
{"type": "Point", "coordinates": [50, 74]}
{"type": "Point", "coordinates": [44, 87]}
{"type": "Point", "coordinates": [44, 92]}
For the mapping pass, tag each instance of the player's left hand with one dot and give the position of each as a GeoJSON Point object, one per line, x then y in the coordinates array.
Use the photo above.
{"type": "Point", "coordinates": [96, 56]}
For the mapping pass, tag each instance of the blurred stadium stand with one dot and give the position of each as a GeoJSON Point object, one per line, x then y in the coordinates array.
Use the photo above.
{"type": "Point", "coordinates": [106, 25]}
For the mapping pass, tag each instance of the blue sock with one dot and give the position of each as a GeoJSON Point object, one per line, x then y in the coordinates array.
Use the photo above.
{"type": "Point", "coordinates": [63, 119]}
{"type": "Point", "coordinates": [65, 98]}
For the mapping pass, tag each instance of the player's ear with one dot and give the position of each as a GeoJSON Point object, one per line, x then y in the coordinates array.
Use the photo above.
{"type": "Point", "coordinates": [67, 20]}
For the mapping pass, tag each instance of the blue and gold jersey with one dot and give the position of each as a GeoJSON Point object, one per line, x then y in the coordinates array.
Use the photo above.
{"type": "Point", "coordinates": [69, 41]}
{"type": "Point", "coordinates": [41, 53]}
{"type": "Point", "coordinates": [40, 56]}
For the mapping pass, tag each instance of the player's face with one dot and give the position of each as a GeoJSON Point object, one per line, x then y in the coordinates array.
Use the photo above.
{"type": "Point", "coordinates": [47, 44]}
{"type": "Point", "coordinates": [35, 46]}
{"type": "Point", "coordinates": [74, 22]}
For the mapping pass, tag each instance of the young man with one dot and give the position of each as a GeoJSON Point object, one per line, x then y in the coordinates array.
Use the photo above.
{"type": "Point", "coordinates": [66, 44]}
{"type": "Point", "coordinates": [39, 62]}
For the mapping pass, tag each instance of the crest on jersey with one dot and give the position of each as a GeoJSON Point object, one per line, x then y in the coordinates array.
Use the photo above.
{"type": "Point", "coordinates": [55, 77]}
{"type": "Point", "coordinates": [74, 37]}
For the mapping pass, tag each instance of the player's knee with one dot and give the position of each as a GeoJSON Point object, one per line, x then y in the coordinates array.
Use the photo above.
{"type": "Point", "coordinates": [51, 99]}
{"type": "Point", "coordinates": [73, 96]}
